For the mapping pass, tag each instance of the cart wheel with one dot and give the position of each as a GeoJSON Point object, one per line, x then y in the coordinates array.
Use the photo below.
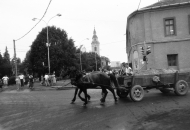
{"type": "Point", "coordinates": [122, 94]}
{"type": "Point", "coordinates": [137, 93]}
{"type": "Point", "coordinates": [181, 88]}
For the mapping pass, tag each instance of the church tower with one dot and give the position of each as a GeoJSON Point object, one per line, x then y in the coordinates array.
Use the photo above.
{"type": "Point", "coordinates": [95, 43]}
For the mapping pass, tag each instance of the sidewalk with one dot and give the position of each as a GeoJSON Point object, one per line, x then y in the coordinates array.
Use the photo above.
{"type": "Point", "coordinates": [60, 85]}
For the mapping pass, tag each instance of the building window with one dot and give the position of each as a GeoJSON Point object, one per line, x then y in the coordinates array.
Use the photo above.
{"type": "Point", "coordinates": [172, 59]}
{"type": "Point", "coordinates": [170, 27]}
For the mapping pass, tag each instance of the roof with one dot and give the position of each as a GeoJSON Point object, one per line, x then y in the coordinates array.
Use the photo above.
{"type": "Point", "coordinates": [164, 3]}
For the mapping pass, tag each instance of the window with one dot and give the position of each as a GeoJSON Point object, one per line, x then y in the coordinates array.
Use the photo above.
{"type": "Point", "coordinates": [95, 49]}
{"type": "Point", "coordinates": [169, 24]}
{"type": "Point", "coordinates": [172, 59]}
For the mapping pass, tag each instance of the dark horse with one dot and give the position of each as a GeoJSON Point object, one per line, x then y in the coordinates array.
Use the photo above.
{"type": "Point", "coordinates": [92, 80]}
{"type": "Point", "coordinates": [71, 72]}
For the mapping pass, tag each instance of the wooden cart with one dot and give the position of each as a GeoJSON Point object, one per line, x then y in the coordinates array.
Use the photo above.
{"type": "Point", "coordinates": [135, 85]}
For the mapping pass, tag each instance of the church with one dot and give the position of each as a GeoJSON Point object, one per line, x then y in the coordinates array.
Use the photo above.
{"type": "Point", "coordinates": [95, 47]}
{"type": "Point", "coordinates": [95, 43]}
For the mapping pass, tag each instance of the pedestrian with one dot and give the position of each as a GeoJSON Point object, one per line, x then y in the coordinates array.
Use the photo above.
{"type": "Point", "coordinates": [21, 76]}
{"type": "Point", "coordinates": [54, 79]}
{"type": "Point", "coordinates": [42, 80]}
{"type": "Point", "coordinates": [46, 79]}
{"type": "Point", "coordinates": [18, 83]}
{"type": "Point", "coordinates": [5, 80]}
{"type": "Point", "coordinates": [31, 81]}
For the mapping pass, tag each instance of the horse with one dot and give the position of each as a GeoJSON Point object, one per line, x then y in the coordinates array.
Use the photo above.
{"type": "Point", "coordinates": [71, 73]}
{"type": "Point", "coordinates": [94, 79]}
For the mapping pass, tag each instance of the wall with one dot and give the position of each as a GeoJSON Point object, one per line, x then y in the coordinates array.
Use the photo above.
{"type": "Point", "coordinates": [149, 26]}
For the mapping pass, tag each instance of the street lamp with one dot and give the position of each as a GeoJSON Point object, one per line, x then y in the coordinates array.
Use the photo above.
{"type": "Point", "coordinates": [80, 53]}
{"type": "Point", "coordinates": [47, 44]}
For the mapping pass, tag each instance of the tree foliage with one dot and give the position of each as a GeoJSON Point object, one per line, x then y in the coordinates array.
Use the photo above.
{"type": "Point", "coordinates": [61, 51]}
{"type": "Point", "coordinates": [5, 64]}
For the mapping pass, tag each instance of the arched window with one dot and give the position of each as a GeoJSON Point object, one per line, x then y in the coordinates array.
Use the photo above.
{"type": "Point", "coordinates": [95, 48]}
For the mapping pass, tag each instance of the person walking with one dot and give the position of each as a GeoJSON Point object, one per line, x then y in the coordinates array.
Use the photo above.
{"type": "Point", "coordinates": [5, 80]}
{"type": "Point", "coordinates": [54, 79]}
{"type": "Point", "coordinates": [21, 80]}
{"type": "Point", "coordinates": [46, 79]}
{"type": "Point", "coordinates": [42, 80]}
{"type": "Point", "coordinates": [31, 81]}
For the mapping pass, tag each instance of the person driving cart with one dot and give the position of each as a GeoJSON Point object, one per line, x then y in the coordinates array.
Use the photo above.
{"type": "Point", "coordinates": [125, 69]}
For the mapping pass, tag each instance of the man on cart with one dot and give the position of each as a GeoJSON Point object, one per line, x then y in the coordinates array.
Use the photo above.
{"type": "Point", "coordinates": [125, 69]}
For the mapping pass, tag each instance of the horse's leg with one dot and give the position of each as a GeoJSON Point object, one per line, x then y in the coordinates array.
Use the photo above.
{"type": "Point", "coordinates": [113, 92]}
{"type": "Point", "coordinates": [79, 95]}
{"type": "Point", "coordinates": [88, 96]}
{"type": "Point", "coordinates": [74, 98]}
{"type": "Point", "coordinates": [85, 93]}
{"type": "Point", "coordinates": [105, 92]}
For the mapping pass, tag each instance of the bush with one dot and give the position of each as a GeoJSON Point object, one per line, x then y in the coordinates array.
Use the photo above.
{"type": "Point", "coordinates": [11, 80]}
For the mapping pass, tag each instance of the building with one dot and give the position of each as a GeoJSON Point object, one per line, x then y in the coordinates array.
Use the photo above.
{"type": "Point", "coordinates": [165, 27]}
{"type": "Point", "coordinates": [95, 45]}
{"type": "Point", "coordinates": [115, 65]}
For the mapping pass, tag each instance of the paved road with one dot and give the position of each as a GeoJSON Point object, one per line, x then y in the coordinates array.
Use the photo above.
{"type": "Point", "coordinates": [51, 110]}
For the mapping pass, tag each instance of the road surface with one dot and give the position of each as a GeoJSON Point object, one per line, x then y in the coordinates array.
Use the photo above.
{"type": "Point", "coordinates": [51, 110]}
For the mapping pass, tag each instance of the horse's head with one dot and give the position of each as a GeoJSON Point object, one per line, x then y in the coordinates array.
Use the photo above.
{"type": "Point", "coordinates": [76, 77]}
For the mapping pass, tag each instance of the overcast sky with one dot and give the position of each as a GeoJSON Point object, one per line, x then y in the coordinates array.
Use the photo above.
{"type": "Point", "coordinates": [79, 17]}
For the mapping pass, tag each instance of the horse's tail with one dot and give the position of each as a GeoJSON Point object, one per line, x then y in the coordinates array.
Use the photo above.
{"type": "Point", "coordinates": [114, 80]}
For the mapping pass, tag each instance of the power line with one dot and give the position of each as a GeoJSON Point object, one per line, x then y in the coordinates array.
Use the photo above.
{"type": "Point", "coordinates": [139, 5]}
{"type": "Point", "coordinates": [36, 23]}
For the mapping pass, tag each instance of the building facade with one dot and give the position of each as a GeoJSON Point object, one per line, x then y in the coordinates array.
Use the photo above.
{"type": "Point", "coordinates": [165, 27]}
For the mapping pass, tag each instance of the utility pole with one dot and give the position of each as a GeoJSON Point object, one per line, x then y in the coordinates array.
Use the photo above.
{"type": "Point", "coordinates": [15, 59]}
{"type": "Point", "coordinates": [96, 61]}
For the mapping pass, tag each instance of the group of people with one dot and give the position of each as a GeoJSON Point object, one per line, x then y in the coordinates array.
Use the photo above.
{"type": "Point", "coordinates": [20, 80]}
{"type": "Point", "coordinates": [48, 80]}
{"type": "Point", "coordinates": [125, 70]}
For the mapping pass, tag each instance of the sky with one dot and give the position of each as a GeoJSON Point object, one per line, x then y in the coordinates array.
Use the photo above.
{"type": "Point", "coordinates": [79, 18]}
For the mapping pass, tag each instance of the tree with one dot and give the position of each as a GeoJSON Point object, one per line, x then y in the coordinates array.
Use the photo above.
{"type": "Point", "coordinates": [1, 65]}
{"type": "Point", "coordinates": [62, 51]}
{"type": "Point", "coordinates": [6, 65]}
{"type": "Point", "coordinates": [89, 61]}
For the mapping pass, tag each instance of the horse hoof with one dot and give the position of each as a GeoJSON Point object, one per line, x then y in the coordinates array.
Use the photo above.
{"type": "Point", "coordinates": [72, 102]}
